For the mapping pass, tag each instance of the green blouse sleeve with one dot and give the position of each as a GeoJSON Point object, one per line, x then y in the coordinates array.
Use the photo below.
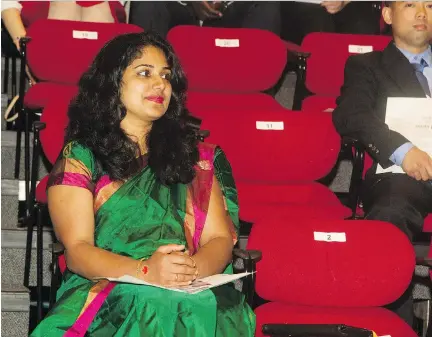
{"type": "Point", "coordinates": [223, 173]}
{"type": "Point", "coordinates": [74, 167]}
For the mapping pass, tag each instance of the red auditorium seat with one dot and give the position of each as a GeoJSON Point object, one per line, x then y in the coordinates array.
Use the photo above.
{"type": "Point", "coordinates": [326, 64]}
{"type": "Point", "coordinates": [58, 63]}
{"type": "Point", "coordinates": [276, 157]}
{"type": "Point", "coordinates": [226, 67]}
{"type": "Point", "coordinates": [331, 272]}
{"type": "Point", "coordinates": [69, 51]}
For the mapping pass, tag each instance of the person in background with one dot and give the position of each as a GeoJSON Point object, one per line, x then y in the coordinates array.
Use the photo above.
{"type": "Point", "coordinates": [300, 18]}
{"type": "Point", "coordinates": [134, 193]}
{"type": "Point", "coordinates": [403, 69]}
{"type": "Point", "coordinates": [161, 16]}
{"type": "Point", "coordinates": [17, 15]}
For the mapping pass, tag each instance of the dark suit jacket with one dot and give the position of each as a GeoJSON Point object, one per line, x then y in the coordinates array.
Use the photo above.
{"type": "Point", "coordinates": [369, 80]}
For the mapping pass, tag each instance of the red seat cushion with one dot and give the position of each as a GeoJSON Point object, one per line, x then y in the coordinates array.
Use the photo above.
{"type": "Point", "coordinates": [58, 62]}
{"type": "Point", "coordinates": [41, 196]}
{"type": "Point", "coordinates": [41, 93]}
{"type": "Point", "coordinates": [200, 103]}
{"type": "Point", "coordinates": [316, 103]}
{"type": "Point", "coordinates": [299, 267]}
{"type": "Point", "coordinates": [311, 200]}
{"type": "Point", "coordinates": [380, 320]}
{"type": "Point", "coordinates": [233, 58]}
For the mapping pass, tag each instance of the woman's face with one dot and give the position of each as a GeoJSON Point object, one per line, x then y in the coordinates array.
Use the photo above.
{"type": "Point", "coordinates": [146, 87]}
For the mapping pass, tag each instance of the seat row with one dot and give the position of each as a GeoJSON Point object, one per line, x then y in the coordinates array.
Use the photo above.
{"type": "Point", "coordinates": [318, 265]}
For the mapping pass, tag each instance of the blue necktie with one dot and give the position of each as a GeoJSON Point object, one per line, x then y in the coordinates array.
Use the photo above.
{"type": "Point", "coordinates": [419, 67]}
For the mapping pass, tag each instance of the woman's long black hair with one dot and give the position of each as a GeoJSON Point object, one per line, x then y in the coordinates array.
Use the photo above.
{"type": "Point", "coordinates": [96, 113]}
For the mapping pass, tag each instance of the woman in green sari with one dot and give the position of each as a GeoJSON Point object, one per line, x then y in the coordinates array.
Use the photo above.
{"type": "Point", "coordinates": [134, 193]}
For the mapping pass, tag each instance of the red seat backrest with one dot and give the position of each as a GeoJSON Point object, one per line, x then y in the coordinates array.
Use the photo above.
{"type": "Point", "coordinates": [371, 265]}
{"type": "Point", "coordinates": [329, 52]}
{"type": "Point", "coordinates": [55, 117]}
{"type": "Point", "coordinates": [229, 59]}
{"type": "Point", "coordinates": [201, 103]}
{"type": "Point", "coordinates": [275, 146]}
{"type": "Point", "coordinates": [61, 51]}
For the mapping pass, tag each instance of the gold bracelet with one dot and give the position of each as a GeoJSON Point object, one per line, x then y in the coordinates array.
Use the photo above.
{"type": "Point", "coordinates": [193, 261]}
{"type": "Point", "coordinates": [197, 272]}
{"type": "Point", "coordinates": [140, 268]}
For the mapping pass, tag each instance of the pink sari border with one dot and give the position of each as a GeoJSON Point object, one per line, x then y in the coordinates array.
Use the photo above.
{"type": "Point", "coordinates": [201, 191]}
{"type": "Point", "coordinates": [70, 179]}
{"type": "Point", "coordinates": [102, 182]}
{"type": "Point", "coordinates": [82, 324]}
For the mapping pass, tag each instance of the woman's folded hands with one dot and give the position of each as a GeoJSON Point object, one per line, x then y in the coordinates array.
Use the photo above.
{"type": "Point", "coordinates": [169, 266]}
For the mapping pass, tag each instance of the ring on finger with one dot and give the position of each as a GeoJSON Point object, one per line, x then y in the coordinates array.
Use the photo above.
{"type": "Point", "coordinates": [176, 277]}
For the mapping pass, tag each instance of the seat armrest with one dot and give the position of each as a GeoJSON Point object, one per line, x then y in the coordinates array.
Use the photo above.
{"type": "Point", "coordinates": [312, 330]}
{"type": "Point", "coordinates": [353, 142]}
{"type": "Point", "coordinates": [57, 248]}
{"type": "Point", "coordinates": [424, 261]}
{"type": "Point", "coordinates": [350, 143]}
{"type": "Point", "coordinates": [23, 41]}
{"type": "Point", "coordinates": [38, 126]}
{"type": "Point", "coordinates": [250, 259]}
{"type": "Point", "coordinates": [254, 255]}
{"type": "Point", "coordinates": [295, 51]}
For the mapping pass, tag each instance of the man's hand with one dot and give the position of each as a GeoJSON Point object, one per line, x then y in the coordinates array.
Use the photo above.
{"type": "Point", "coordinates": [206, 10]}
{"type": "Point", "coordinates": [333, 7]}
{"type": "Point", "coordinates": [418, 164]}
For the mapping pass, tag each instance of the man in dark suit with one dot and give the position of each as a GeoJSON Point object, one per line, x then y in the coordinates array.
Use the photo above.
{"type": "Point", "coordinates": [403, 69]}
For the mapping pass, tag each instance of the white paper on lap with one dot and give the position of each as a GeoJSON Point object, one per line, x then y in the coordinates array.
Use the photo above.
{"type": "Point", "coordinates": [196, 286]}
{"type": "Point", "coordinates": [412, 118]}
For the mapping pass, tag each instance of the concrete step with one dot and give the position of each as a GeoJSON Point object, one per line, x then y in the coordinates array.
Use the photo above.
{"type": "Point", "coordinates": [15, 305]}
{"type": "Point", "coordinates": [13, 203]}
{"type": "Point", "coordinates": [10, 203]}
{"type": "Point", "coordinates": [9, 211]}
{"type": "Point", "coordinates": [4, 103]}
{"type": "Point", "coordinates": [18, 72]}
{"type": "Point", "coordinates": [342, 180]}
{"type": "Point", "coordinates": [13, 255]}
{"type": "Point", "coordinates": [8, 144]}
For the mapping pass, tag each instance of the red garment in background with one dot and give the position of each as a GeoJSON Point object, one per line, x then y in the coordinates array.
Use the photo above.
{"type": "Point", "coordinates": [36, 10]}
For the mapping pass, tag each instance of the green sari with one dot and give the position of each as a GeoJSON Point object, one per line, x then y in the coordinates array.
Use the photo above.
{"type": "Point", "coordinates": [133, 219]}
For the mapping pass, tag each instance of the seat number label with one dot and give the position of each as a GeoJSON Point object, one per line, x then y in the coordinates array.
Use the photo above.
{"type": "Point", "coordinates": [81, 34]}
{"type": "Point", "coordinates": [269, 125]}
{"type": "Point", "coordinates": [355, 49]}
{"type": "Point", "coordinates": [330, 236]}
{"type": "Point", "coordinates": [227, 43]}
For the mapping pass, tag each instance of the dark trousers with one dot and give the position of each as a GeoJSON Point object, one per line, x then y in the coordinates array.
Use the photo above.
{"type": "Point", "coordinates": [300, 19]}
{"type": "Point", "coordinates": [404, 202]}
{"type": "Point", "coordinates": [161, 16]}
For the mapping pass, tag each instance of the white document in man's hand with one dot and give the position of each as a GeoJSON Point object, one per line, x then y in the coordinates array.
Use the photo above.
{"type": "Point", "coordinates": [194, 288]}
{"type": "Point", "coordinates": [412, 118]}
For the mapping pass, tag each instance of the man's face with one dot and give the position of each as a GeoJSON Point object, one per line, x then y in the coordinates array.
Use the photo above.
{"type": "Point", "coordinates": [411, 22]}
